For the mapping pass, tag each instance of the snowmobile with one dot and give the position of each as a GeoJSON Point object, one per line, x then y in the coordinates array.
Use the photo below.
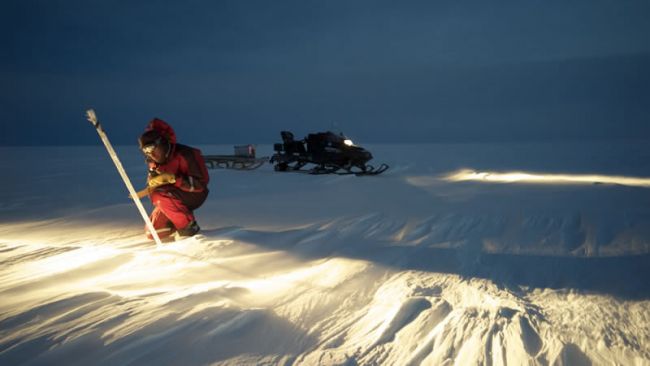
{"type": "Point", "coordinates": [244, 159]}
{"type": "Point", "coordinates": [330, 153]}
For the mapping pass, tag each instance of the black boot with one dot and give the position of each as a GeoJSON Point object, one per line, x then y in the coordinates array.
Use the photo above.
{"type": "Point", "coordinates": [190, 230]}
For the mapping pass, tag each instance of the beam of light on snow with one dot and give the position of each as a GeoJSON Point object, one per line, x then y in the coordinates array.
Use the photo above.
{"type": "Point", "coordinates": [538, 178]}
{"type": "Point", "coordinates": [325, 275]}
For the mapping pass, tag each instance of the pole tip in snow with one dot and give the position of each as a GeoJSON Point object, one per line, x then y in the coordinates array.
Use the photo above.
{"type": "Point", "coordinates": [92, 117]}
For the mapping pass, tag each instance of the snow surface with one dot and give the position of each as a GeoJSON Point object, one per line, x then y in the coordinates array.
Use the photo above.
{"type": "Point", "coordinates": [405, 268]}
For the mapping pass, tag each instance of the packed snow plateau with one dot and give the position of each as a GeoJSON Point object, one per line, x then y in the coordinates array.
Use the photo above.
{"type": "Point", "coordinates": [464, 254]}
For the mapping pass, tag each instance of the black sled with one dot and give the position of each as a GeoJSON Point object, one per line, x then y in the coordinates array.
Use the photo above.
{"type": "Point", "coordinates": [244, 159]}
{"type": "Point", "coordinates": [323, 153]}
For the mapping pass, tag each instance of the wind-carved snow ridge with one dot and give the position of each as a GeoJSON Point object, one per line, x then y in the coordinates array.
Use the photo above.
{"type": "Point", "coordinates": [317, 305]}
{"type": "Point", "coordinates": [332, 270]}
{"type": "Point", "coordinates": [409, 324]}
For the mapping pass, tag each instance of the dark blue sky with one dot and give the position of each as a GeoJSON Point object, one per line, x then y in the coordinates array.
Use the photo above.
{"type": "Point", "coordinates": [380, 71]}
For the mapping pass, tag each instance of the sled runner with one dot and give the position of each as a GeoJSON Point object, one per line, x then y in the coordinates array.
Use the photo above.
{"type": "Point", "coordinates": [243, 159]}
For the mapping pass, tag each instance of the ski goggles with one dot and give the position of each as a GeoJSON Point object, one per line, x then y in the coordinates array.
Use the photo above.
{"type": "Point", "coordinates": [148, 148]}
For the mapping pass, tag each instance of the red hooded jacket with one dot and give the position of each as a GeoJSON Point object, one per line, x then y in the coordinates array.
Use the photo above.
{"type": "Point", "coordinates": [185, 162]}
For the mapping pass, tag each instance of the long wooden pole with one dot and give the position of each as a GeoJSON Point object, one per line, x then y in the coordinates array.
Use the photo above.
{"type": "Point", "coordinates": [92, 118]}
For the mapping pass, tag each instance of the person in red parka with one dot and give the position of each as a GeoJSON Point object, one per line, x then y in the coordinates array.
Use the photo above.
{"type": "Point", "coordinates": [177, 180]}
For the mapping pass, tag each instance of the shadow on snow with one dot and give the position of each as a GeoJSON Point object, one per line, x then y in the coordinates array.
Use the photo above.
{"type": "Point", "coordinates": [622, 276]}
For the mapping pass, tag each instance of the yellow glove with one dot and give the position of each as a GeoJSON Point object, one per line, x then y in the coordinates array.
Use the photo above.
{"type": "Point", "coordinates": [161, 179]}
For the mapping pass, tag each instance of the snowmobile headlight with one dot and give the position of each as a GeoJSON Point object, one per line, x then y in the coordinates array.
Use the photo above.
{"type": "Point", "coordinates": [348, 142]}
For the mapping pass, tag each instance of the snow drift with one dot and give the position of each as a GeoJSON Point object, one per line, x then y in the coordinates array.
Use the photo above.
{"type": "Point", "coordinates": [406, 268]}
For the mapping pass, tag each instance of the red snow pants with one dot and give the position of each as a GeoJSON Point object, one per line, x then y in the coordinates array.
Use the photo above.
{"type": "Point", "coordinates": [173, 209]}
